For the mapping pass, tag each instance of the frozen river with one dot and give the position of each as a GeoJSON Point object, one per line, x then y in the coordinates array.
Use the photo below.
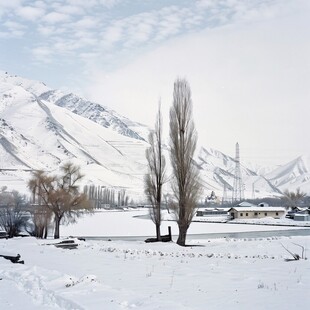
{"type": "Point", "coordinates": [232, 235]}
{"type": "Point", "coordinates": [134, 225]}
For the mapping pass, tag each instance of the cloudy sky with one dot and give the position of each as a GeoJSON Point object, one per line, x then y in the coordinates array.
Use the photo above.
{"type": "Point", "coordinates": [247, 61]}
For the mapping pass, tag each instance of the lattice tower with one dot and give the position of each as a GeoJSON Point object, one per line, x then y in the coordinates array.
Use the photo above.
{"type": "Point", "coordinates": [238, 193]}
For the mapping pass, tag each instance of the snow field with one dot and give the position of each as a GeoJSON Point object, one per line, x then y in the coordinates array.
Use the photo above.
{"type": "Point", "coordinates": [211, 274]}
{"type": "Point", "coordinates": [226, 273]}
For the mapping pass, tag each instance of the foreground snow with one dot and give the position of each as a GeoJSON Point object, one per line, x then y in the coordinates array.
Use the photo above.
{"type": "Point", "coordinates": [248, 273]}
{"type": "Point", "coordinates": [217, 274]}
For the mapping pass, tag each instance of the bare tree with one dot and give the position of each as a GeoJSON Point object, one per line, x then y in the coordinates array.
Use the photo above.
{"type": "Point", "coordinates": [293, 199]}
{"type": "Point", "coordinates": [41, 215]}
{"type": "Point", "coordinates": [60, 194]}
{"type": "Point", "coordinates": [13, 218]}
{"type": "Point", "coordinates": [155, 177]}
{"type": "Point", "coordinates": [183, 138]}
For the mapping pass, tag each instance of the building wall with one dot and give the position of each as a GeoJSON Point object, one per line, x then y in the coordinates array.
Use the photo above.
{"type": "Point", "coordinates": [256, 214]}
{"type": "Point", "coordinates": [302, 217]}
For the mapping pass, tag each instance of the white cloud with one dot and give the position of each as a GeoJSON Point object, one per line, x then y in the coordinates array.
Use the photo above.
{"type": "Point", "coordinates": [14, 25]}
{"type": "Point", "coordinates": [55, 17]}
{"type": "Point", "coordinates": [149, 27]}
{"type": "Point", "coordinates": [14, 29]}
{"type": "Point", "coordinates": [87, 22]}
{"type": "Point", "coordinates": [43, 54]}
{"type": "Point", "coordinates": [89, 56]}
{"type": "Point", "coordinates": [46, 30]}
{"type": "Point", "coordinates": [69, 9]}
{"type": "Point", "coordinates": [113, 34]}
{"type": "Point", "coordinates": [4, 34]}
{"type": "Point", "coordinates": [30, 13]}
{"type": "Point", "coordinates": [207, 4]}
{"type": "Point", "coordinates": [109, 3]}
{"type": "Point", "coordinates": [92, 3]}
{"type": "Point", "coordinates": [40, 4]}
{"type": "Point", "coordinates": [17, 33]}
{"type": "Point", "coordinates": [11, 4]}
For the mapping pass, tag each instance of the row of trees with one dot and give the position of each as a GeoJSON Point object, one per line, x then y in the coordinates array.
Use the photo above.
{"type": "Point", "coordinates": [185, 182]}
{"type": "Point", "coordinates": [100, 195]}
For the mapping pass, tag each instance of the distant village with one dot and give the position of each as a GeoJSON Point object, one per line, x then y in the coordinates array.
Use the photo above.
{"type": "Point", "coordinates": [285, 208]}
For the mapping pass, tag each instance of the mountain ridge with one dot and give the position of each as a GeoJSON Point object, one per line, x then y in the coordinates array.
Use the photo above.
{"type": "Point", "coordinates": [40, 128]}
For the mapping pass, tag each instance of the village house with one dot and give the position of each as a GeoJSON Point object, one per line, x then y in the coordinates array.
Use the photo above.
{"type": "Point", "coordinates": [253, 212]}
{"type": "Point", "coordinates": [302, 214]}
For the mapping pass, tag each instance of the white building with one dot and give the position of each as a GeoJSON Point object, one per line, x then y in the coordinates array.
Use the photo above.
{"type": "Point", "coordinates": [256, 212]}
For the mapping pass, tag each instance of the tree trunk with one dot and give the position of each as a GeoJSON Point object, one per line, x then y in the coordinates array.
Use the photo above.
{"type": "Point", "coordinates": [57, 226]}
{"type": "Point", "coordinates": [158, 236]}
{"type": "Point", "coordinates": [182, 234]}
{"type": "Point", "coordinates": [45, 227]}
{"type": "Point", "coordinates": [45, 232]}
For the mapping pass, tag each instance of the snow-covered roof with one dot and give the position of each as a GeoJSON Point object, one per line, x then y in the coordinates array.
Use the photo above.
{"type": "Point", "coordinates": [245, 204]}
{"type": "Point", "coordinates": [258, 209]}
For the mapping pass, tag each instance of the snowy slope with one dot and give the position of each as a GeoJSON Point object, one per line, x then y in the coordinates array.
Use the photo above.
{"type": "Point", "coordinates": [37, 134]}
{"type": "Point", "coordinates": [76, 104]}
{"type": "Point", "coordinates": [31, 86]}
{"type": "Point", "coordinates": [93, 111]}
{"type": "Point", "coordinates": [293, 175]}
{"type": "Point", "coordinates": [41, 128]}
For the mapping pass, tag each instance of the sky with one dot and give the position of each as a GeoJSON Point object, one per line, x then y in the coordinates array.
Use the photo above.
{"type": "Point", "coordinates": [247, 63]}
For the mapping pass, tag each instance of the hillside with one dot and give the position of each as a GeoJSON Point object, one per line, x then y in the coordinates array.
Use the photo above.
{"type": "Point", "coordinates": [40, 128]}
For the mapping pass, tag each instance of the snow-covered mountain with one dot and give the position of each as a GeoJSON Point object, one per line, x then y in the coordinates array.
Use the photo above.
{"type": "Point", "coordinates": [39, 134]}
{"type": "Point", "coordinates": [293, 175]}
{"type": "Point", "coordinates": [40, 128]}
{"type": "Point", "coordinates": [218, 169]}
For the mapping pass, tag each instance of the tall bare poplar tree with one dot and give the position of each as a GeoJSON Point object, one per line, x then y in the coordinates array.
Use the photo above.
{"type": "Point", "coordinates": [154, 179]}
{"type": "Point", "coordinates": [183, 139]}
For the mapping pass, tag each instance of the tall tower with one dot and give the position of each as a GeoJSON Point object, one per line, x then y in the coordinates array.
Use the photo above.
{"type": "Point", "coordinates": [238, 193]}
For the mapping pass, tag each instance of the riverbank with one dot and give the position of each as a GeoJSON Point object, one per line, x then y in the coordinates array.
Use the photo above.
{"type": "Point", "coordinates": [262, 221]}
